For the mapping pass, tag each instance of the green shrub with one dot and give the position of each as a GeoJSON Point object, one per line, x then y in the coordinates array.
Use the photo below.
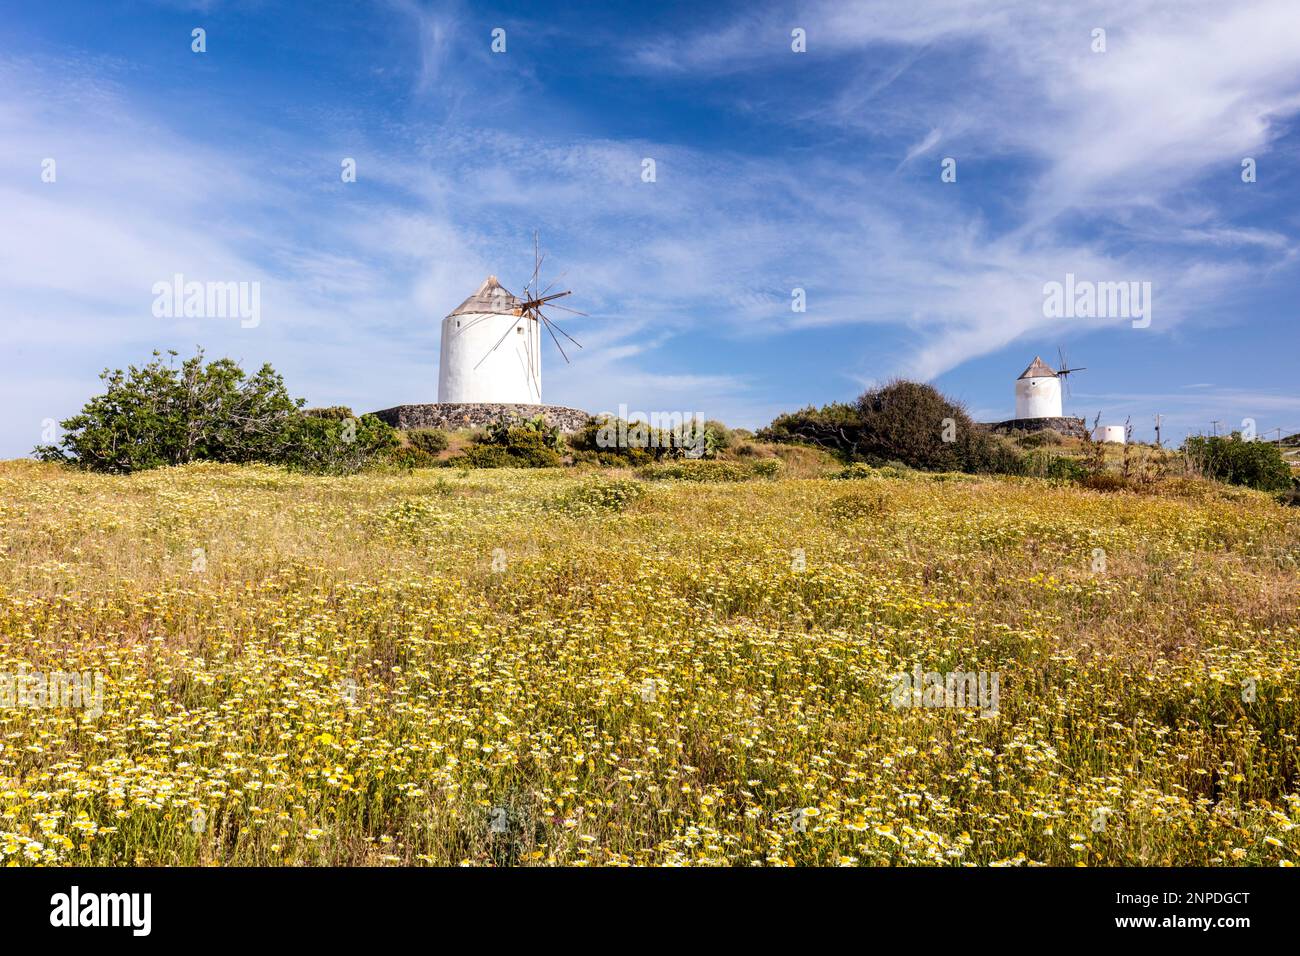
{"type": "Point", "coordinates": [530, 431]}
{"type": "Point", "coordinates": [989, 454]}
{"type": "Point", "coordinates": [1255, 464]}
{"type": "Point", "coordinates": [857, 470]}
{"type": "Point", "coordinates": [408, 456]}
{"type": "Point", "coordinates": [723, 437]}
{"type": "Point", "coordinates": [339, 447]}
{"type": "Point", "coordinates": [513, 446]}
{"type": "Point", "coordinates": [1044, 464]}
{"type": "Point", "coordinates": [162, 414]}
{"type": "Point", "coordinates": [614, 441]}
{"type": "Point", "coordinates": [484, 456]}
{"type": "Point", "coordinates": [511, 443]}
{"type": "Point", "coordinates": [428, 440]}
{"type": "Point", "coordinates": [834, 427]}
{"type": "Point", "coordinates": [906, 422]}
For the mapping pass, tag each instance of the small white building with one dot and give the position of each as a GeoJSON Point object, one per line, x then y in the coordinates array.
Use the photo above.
{"type": "Point", "coordinates": [1111, 433]}
{"type": "Point", "coordinates": [1038, 391]}
{"type": "Point", "coordinates": [490, 352]}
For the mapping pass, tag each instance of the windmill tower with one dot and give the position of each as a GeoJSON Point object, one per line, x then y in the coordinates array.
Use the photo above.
{"type": "Point", "coordinates": [1038, 391]}
{"type": "Point", "coordinates": [492, 344]}
{"type": "Point", "coordinates": [513, 374]}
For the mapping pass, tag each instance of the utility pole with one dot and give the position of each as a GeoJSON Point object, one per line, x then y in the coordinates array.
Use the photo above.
{"type": "Point", "coordinates": [1214, 423]}
{"type": "Point", "coordinates": [1158, 430]}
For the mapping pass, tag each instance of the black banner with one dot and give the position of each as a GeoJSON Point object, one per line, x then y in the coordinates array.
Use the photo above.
{"type": "Point", "coordinates": [363, 906]}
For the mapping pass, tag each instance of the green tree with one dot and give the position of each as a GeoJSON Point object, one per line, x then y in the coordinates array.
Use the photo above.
{"type": "Point", "coordinates": [163, 414]}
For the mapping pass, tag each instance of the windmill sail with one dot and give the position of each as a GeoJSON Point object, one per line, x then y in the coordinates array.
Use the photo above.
{"type": "Point", "coordinates": [1064, 371]}
{"type": "Point", "coordinates": [531, 308]}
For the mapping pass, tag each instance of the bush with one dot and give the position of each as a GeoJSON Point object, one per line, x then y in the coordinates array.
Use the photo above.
{"type": "Point", "coordinates": [590, 444]}
{"type": "Point", "coordinates": [428, 440]}
{"type": "Point", "coordinates": [834, 427]}
{"type": "Point", "coordinates": [408, 456]}
{"type": "Point", "coordinates": [906, 422]}
{"type": "Point", "coordinates": [723, 437]}
{"type": "Point", "coordinates": [614, 441]}
{"type": "Point", "coordinates": [511, 445]}
{"type": "Point", "coordinates": [337, 446]}
{"type": "Point", "coordinates": [484, 456]}
{"type": "Point", "coordinates": [628, 458]}
{"type": "Point", "coordinates": [1105, 481]}
{"type": "Point", "coordinates": [1255, 464]}
{"type": "Point", "coordinates": [600, 495]}
{"type": "Point", "coordinates": [161, 414]}
{"type": "Point", "coordinates": [1042, 464]}
{"type": "Point", "coordinates": [531, 431]}
{"type": "Point", "coordinates": [856, 471]}
{"type": "Point", "coordinates": [991, 455]}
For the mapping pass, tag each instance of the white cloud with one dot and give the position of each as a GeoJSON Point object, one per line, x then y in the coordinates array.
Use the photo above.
{"type": "Point", "coordinates": [1184, 90]}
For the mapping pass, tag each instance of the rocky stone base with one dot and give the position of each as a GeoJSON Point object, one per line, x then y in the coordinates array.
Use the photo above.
{"type": "Point", "coordinates": [450, 416]}
{"type": "Point", "coordinates": [1071, 427]}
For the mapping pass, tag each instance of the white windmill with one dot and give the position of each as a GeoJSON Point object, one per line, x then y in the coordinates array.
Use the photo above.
{"type": "Point", "coordinates": [492, 343]}
{"type": "Point", "coordinates": [1038, 389]}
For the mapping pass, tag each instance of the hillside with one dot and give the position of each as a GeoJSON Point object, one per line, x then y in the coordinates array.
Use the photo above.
{"type": "Point", "coordinates": [554, 666]}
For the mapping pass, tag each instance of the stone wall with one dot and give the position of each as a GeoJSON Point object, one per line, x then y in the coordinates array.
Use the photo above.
{"type": "Point", "coordinates": [450, 416]}
{"type": "Point", "coordinates": [1072, 427]}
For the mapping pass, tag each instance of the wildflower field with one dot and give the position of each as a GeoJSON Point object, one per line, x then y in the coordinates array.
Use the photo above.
{"type": "Point", "coordinates": [554, 668]}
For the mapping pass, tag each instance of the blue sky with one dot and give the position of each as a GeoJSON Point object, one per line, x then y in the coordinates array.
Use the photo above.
{"type": "Point", "coordinates": [775, 170]}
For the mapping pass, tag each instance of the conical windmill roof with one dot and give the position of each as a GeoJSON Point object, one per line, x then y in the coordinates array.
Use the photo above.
{"type": "Point", "coordinates": [1039, 369]}
{"type": "Point", "coordinates": [490, 297]}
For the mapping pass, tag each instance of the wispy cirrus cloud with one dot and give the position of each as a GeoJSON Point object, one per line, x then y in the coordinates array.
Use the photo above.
{"type": "Point", "coordinates": [1182, 91]}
